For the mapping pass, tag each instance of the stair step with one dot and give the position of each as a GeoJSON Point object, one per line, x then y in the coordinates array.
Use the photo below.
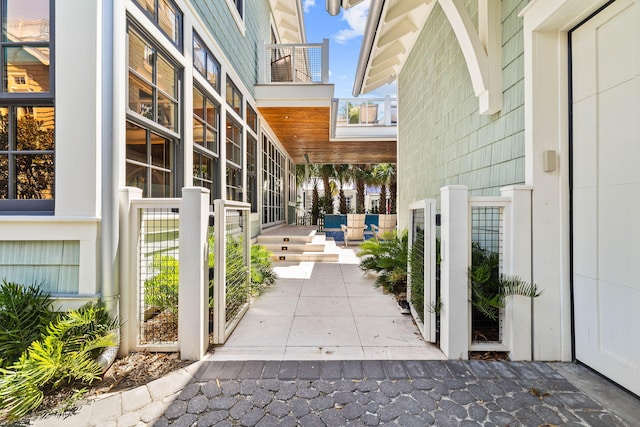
{"type": "Point", "coordinates": [276, 240]}
{"type": "Point", "coordinates": [305, 256]}
{"type": "Point", "coordinates": [295, 247]}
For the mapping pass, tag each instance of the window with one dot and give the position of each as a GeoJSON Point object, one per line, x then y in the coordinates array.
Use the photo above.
{"type": "Point", "coordinates": [152, 119]}
{"type": "Point", "coordinates": [234, 97]}
{"type": "Point", "coordinates": [27, 115]}
{"type": "Point", "coordinates": [273, 199]}
{"type": "Point", "coordinates": [149, 162]}
{"type": "Point", "coordinates": [239, 7]}
{"type": "Point", "coordinates": [252, 118]}
{"type": "Point", "coordinates": [166, 15]}
{"type": "Point", "coordinates": [153, 83]}
{"type": "Point", "coordinates": [206, 63]}
{"type": "Point", "coordinates": [206, 119]}
{"type": "Point", "coordinates": [252, 172]}
{"type": "Point", "coordinates": [234, 160]}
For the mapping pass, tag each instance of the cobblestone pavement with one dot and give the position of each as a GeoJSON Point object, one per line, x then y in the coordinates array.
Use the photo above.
{"type": "Point", "coordinates": [370, 393]}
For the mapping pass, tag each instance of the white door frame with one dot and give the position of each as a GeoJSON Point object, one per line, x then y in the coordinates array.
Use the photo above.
{"type": "Point", "coordinates": [546, 58]}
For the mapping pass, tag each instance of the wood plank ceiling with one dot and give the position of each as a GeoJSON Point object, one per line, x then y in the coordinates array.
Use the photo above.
{"type": "Point", "coordinates": [305, 130]}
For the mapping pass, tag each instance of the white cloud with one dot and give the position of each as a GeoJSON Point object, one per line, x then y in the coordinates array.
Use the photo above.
{"type": "Point", "coordinates": [356, 18]}
{"type": "Point", "coordinates": [308, 4]}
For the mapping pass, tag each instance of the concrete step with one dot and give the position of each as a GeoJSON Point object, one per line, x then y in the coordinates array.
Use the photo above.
{"type": "Point", "coordinates": [277, 240]}
{"type": "Point", "coordinates": [305, 256]}
{"type": "Point", "coordinates": [295, 247]}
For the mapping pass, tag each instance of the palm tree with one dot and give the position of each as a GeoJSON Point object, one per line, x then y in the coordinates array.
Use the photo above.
{"type": "Point", "coordinates": [327, 171]}
{"type": "Point", "coordinates": [344, 177]}
{"type": "Point", "coordinates": [362, 175]}
{"type": "Point", "coordinates": [393, 187]}
{"type": "Point", "coordinates": [382, 176]}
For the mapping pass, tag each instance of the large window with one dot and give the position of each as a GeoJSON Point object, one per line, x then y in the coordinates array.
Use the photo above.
{"type": "Point", "coordinates": [166, 15]}
{"type": "Point", "coordinates": [252, 172]}
{"type": "Point", "coordinates": [206, 63]}
{"type": "Point", "coordinates": [149, 162]}
{"type": "Point", "coordinates": [27, 126]}
{"type": "Point", "coordinates": [152, 118]}
{"type": "Point", "coordinates": [234, 97]}
{"type": "Point", "coordinates": [273, 168]}
{"type": "Point", "coordinates": [234, 160]}
{"type": "Point", "coordinates": [153, 82]}
{"type": "Point", "coordinates": [206, 119]}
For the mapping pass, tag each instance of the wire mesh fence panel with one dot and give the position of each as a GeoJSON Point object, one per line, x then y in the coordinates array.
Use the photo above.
{"type": "Point", "coordinates": [158, 267]}
{"type": "Point", "coordinates": [422, 289]}
{"type": "Point", "coordinates": [487, 244]}
{"type": "Point", "coordinates": [231, 268]}
{"type": "Point", "coordinates": [294, 63]}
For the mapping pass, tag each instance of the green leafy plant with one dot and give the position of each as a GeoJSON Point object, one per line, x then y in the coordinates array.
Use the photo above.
{"type": "Point", "coordinates": [65, 353]}
{"type": "Point", "coordinates": [389, 258]}
{"type": "Point", "coordinates": [25, 312]}
{"type": "Point", "coordinates": [489, 289]}
{"type": "Point", "coordinates": [161, 291]}
{"type": "Point", "coordinates": [262, 273]}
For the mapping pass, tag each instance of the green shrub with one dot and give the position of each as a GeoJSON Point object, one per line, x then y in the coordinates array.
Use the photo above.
{"type": "Point", "coordinates": [389, 259]}
{"type": "Point", "coordinates": [161, 290]}
{"type": "Point", "coordinates": [489, 288]}
{"type": "Point", "coordinates": [64, 354]}
{"type": "Point", "coordinates": [25, 312]}
{"type": "Point", "coordinates": [262, 273]}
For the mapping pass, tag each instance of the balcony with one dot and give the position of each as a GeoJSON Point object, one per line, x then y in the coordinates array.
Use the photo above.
{"type": "Point", "coordinates": [295, 98]}
{"type": "Point", "coordinates": [364, 119]}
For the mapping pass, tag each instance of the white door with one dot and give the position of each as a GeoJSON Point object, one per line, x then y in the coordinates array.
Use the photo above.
{"type": "Point", "coordinates": [605, 53]}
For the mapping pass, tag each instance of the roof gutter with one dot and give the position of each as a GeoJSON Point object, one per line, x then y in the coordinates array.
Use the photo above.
{"type": "Point", "coordinates": [300, 13]}
{"type": "Point", "coordinates": [373, 21]}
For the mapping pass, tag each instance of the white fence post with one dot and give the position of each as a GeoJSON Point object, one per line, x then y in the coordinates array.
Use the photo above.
{"type": "Point", "coordinates": [193, 297]}
{"type": "Point", "coordinates": [128, 270]}
{"type": "Point", "coordinates": [518, 308]}
{"type": "Point", "coordinates": [325, 61]}
{"type": "Point", "coordinates": [454, 288]}
{"type": "Point", "coordinates": [262, 66]}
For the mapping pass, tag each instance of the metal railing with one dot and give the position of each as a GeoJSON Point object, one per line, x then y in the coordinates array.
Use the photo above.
{"type": "Point", "coordinates": [366, 111]}
{"type": "Point", "coordinates": [157, 224]}
{"type": "Point", "coordinates": [489, 239]}
{"type": "Point", "coordinates": [230, 239]}
{"type": "Point", "coordinates": [294, 63]}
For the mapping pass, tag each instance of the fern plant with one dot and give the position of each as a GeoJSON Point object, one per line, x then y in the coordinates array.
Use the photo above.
{"type": "Point", "coordinates": [262, 273]}
{"type": "Point", "coordinates": [66, 353]}
{"type": "Point", "coordinates": [25, 312]}
{"type": "Point", "coordinates": [161, 290]}
{"type": "Point", "coordinates": [389, 259]}
{"type": "Point", "coordinates": [489, 289]}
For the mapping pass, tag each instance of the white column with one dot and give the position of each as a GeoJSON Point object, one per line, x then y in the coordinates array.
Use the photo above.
{"type": "Point", "coordinates": [518, 308]}
{"type": "Point", "coordinates": [454, 287]}
{"type": "Point", "coordinates": [193, 312]}
{"type": "Point", "coordinates": [128, 269]}
{"type": "Point", "coordinates": [325, 61]}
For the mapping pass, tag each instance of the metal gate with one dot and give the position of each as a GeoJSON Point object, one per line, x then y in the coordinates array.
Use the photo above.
{"type": "Point", "coordinates": [421, 284]}
{"type": "Point", "coordinates": [231, 266]}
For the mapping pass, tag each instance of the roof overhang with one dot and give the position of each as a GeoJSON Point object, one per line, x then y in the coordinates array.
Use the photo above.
{"type": "Point", "coordinates": [300, 117]}
{"type": "Point", "coordinates": [289, 20]}
{"type": "Point", "coordinates": [392, 29]}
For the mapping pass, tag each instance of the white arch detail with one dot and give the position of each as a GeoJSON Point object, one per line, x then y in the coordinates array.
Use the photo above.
{"type": "Point", "coordinates": [482, 49]}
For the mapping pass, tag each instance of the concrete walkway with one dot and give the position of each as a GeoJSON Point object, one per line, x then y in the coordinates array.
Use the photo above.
{"type": "Point", "coordinates": [325, 311]}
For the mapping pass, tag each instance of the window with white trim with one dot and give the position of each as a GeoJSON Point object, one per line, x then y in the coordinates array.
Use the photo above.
{"type": "Point", "coordinates": [27, 114]}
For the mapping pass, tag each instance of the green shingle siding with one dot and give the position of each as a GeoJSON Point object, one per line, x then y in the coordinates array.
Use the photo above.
{"type": "Point", "coordinates": [443, 140]}
{"type": "Point", "coordinates": [240, 50]}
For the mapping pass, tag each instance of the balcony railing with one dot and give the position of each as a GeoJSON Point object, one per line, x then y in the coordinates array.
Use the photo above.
{"type": "Point", "coordinates": [295, 63]}
{"type": "Point", "coordinates": [364, 117]}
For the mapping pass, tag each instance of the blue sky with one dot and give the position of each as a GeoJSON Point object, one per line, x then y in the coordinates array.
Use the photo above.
{"type": "Point", "coordinates": [345, 38]}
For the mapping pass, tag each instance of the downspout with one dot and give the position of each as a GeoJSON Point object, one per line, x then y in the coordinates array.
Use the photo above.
{"type": "Point", "coordinates": [112, 15]}
{"type": "Point", "coordinates": [373, 21]}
